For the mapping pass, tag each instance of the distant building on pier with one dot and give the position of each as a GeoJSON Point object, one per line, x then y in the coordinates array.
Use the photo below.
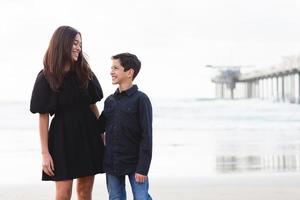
{"type": "Point", "coordinates": [280, 83]}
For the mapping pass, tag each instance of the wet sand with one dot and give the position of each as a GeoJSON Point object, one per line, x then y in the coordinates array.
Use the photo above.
{"type": "Point", "coordinates": [220, 187]}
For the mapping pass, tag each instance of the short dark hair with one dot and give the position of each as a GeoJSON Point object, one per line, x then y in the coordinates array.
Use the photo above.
{"type": "Point", "coordinates": [129, 61]}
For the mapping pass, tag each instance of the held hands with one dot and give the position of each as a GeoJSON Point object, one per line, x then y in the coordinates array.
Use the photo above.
{"type": "Point", "coordinates": [48, 166]}
{"type": "Point", "coordinates": [139, 178]}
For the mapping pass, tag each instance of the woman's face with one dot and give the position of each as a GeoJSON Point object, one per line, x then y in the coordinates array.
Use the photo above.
{"type": "Point", "coordinates": [76, 48]}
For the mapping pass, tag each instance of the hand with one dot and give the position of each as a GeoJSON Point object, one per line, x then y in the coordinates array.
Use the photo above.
{"type": "Point", "coordinates": [139, 178]}
{"type": "Point", "coordinates": [48, 166]}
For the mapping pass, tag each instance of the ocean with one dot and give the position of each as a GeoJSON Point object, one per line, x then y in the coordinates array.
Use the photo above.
{"type": "Point", "coordinates": [191, 138]}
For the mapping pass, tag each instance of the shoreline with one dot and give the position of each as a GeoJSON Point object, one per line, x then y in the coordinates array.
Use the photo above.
{"type": "Point", "coordinates": [221, 187]}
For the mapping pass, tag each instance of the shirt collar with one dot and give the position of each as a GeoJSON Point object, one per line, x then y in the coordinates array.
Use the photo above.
{"type": "Point", "coordinates": [128, 92]}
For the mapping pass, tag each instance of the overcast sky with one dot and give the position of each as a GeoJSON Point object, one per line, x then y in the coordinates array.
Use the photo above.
{"type": "Point", "coordinates": [174, 39]}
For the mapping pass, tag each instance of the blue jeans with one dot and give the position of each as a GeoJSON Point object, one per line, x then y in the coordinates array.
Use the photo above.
{"type": "Point", "coordinates": [116, 187]}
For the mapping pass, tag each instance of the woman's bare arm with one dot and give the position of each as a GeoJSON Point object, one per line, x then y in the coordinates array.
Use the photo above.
{"type": "Point", "coordinates": [95, 110]}
{"type": "Point", "coordinates": [48, 165]}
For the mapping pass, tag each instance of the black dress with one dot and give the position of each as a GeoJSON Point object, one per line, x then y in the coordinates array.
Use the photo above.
{"type": "Point", "coordinates": [73, 138]}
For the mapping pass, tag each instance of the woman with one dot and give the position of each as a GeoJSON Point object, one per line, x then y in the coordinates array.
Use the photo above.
{"type": "Point", "coordinates": [67, 88]}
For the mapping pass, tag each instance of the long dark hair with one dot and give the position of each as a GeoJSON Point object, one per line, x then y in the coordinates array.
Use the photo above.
{"type": "Point", "coordinates": [58, 55]}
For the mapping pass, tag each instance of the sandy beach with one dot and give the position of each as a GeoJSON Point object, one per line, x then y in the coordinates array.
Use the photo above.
{"type": "Point", "coordinates": [223, 187]}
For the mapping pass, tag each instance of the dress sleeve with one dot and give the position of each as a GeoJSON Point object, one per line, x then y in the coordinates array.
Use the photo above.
{"type": "Point", "coordinates": [95, 90]}
{"type": "Point", "coordinates": [43, 99]}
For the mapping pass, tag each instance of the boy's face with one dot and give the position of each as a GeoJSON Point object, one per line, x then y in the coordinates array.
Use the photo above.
{"type": "Point", "coordinates": [118, 75]}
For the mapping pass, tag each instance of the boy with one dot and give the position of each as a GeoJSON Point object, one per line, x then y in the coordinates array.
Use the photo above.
{"type": "Point", "coordinates": [127, 116]}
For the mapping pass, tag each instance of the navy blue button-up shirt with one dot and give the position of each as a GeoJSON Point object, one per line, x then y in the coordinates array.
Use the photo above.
{"type": "Point", "coordinates": [127, 118]}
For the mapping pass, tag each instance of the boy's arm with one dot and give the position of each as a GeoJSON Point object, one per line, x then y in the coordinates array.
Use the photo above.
{"type": "Point", "coordinates": [145, 154]}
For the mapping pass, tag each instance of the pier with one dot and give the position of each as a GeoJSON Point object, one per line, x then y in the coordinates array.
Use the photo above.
{"type": "Point", "coordinates": [279, 83]}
